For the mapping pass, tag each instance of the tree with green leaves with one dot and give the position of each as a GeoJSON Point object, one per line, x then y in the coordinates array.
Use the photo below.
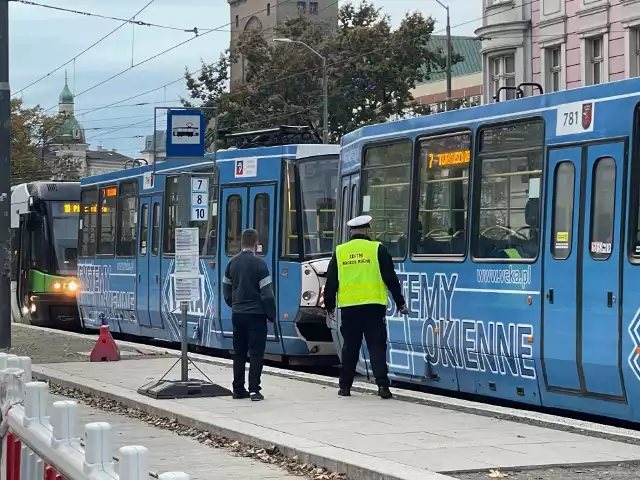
{"type": "Point", "coordinates": [32, 133]}
{"type": "Point", "coordinates": [371, 71]}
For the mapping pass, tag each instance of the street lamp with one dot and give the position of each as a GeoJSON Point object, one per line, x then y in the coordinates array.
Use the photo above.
{"type": "Point", "coordinates": [449, 55]}
{"type": "Point", "coordinates": [325, 87]}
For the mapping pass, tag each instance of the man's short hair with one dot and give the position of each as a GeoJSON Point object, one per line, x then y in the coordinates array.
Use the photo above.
{"type": "Point", "coordinates": [249, 238]}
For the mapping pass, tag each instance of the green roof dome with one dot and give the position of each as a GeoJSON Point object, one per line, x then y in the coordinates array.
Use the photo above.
{"type": "Point", "coordinates": [70, 131]}
{"type": "Point", "coordinates": [66, 96]}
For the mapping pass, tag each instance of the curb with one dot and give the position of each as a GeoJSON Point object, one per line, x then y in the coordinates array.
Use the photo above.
{"type": "Point", "coordinates": [355, 465]}
{"type": "Point", "coordinates": [466, 406]}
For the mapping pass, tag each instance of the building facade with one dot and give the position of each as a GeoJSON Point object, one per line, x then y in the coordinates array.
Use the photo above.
{"type": "Point", "coordinates": [265, 15]}
{"type": "Point", "coordinates": [560, 44]}
{"type": "Point", "coordinates": [466, 76]}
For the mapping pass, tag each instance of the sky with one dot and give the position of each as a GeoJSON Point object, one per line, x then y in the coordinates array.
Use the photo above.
{"type": "Point", "coordinates": [43, 39]}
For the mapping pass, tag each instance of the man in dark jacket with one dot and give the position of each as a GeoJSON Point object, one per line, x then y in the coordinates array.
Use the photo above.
{"type": "Point", "coordinates": [359, 274]}
{"type": "Point", "coordinates": [247, 290]}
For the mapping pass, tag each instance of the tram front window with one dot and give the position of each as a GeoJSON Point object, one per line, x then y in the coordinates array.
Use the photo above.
{"type": "Point", "coordinates": [64, 221]}
{"type": "Point", "coordinates": [319, 191]}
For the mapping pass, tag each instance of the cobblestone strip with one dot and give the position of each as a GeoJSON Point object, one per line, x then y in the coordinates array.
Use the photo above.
{"type": "Point", "coordinates": [269, 456]}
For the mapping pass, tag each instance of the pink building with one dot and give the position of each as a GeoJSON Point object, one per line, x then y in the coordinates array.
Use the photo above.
{"type": "Point", "coordinates": [571, 43]}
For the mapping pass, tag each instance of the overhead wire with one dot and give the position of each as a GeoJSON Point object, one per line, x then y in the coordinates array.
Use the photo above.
{"type": "Point", "coordinates": [83, 51]}
{"type": "Point", "coordinates": [164, 52]}
{"type": "Point", "coordinates": [140, 23]}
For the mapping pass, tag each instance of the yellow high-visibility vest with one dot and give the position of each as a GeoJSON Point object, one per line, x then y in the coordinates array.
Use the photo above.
{"type": "Point", "coordinates": [359, 279]}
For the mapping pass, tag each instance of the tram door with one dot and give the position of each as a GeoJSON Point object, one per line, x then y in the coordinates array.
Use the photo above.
{"type": "Point", "coordinates": [582, 262]}
{"type": "Point", "coordinates": [148, 262]}
{"type": "Point", "coordinates": [247, 207]}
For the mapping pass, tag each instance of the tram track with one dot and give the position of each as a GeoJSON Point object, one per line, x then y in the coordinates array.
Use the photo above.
{"type": "Point", "coordinates": [332, 372]}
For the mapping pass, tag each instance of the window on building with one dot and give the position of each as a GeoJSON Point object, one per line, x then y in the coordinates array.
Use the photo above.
{"type": "Point", "coordinates": [386, 190]}
{"type": "Point", "coordinates": [313, 8]}
{"type": "Point", "coordinates": [107, 226]}
{"type": "Point", "coordinates": [127, 217]}
{"type": "Point", "coordinates": [634, 52]}
{"type": "Point", "coordinates": [595, 61]}
{"type": "Point", "coordinates": [554, 69]}
{"type": "Point", "coordinates": [443, 195]}
{"type": "Point", "coordinates": [268, 9]}
{"type": "Point", "coordinates": [88, 222]}
{"type": "Point", "coordinates": [508, 190]}
{"type": "Point", "coordinates": [503, 74]}
{"type": "Point", "coordinates": [302, 7]}
{"type": "Point", "coordinates": [237, 21]}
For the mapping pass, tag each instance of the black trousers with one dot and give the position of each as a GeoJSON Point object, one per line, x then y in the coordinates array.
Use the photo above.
{"type": "Point", "coordinates": [367, 320]}
{"type": "Point", "coordinates": [249, 337]}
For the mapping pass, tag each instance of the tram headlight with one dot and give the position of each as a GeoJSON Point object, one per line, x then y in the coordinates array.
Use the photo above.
{"type": "Point", "coordinates": [73, 286]}
{"type": "Point", "coordinates": [308, 295]}
{"type": "Point", "coordinates": [57, 286]}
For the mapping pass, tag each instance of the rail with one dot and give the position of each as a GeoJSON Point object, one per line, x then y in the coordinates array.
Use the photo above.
{"type": "Point", "coordinates": [37, 446]}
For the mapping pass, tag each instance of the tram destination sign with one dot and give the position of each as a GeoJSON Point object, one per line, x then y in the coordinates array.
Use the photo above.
{"type": "Point", "coordinates": [187, 272]}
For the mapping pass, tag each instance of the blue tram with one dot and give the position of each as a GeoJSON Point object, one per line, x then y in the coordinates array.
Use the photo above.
{"type": "Point", "coordinates": [126, 247]}
{"type": "Point", "coordinates": [515, 228]}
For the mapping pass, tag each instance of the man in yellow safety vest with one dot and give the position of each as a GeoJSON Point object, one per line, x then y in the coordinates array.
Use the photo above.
{"type": "Point", "coordinates": [359, 274]}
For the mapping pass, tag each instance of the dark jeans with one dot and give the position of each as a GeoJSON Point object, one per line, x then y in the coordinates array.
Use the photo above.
{"type": "Point", "coordinates": [367, 320]}
{"type": "Point", "coordinates": [249, 336]}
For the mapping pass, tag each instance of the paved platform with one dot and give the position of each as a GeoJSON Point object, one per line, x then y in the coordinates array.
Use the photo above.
{"type": "Point", "coordinates": [362, 436]}
{"type": "Point", "coordinates": [170, 452]}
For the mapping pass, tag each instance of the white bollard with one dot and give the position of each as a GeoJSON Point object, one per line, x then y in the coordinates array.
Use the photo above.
{"type": "Point", "coordinates": [98, 447]}
{"type": "Point", "coordinates": [35, 403]}
{"type": "Point", "coordinates": [25, 364]}
{"type": "Point", "coordinates": [174, 476]}
{"type": "Point", "coordinates": [3, 359]}
{"type": "Point", "coordinates": [64, 418]}
{"type": "Point", "coordinates": [134, 463]}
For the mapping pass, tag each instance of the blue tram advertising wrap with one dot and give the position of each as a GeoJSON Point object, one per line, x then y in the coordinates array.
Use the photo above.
{"type": "Point", "coordinates": [127, 245]}
{"type": "Point", "coordinates": [515, 231]}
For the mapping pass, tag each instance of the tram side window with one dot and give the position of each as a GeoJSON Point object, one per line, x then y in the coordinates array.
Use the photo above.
{"type": "Point", "coordinates": [144, 229]}
{"type": "Point", "coordinates": [261, 213]}
{"type": "Point", "coordinates": [563, 194]}
{"type": "Point", "coordinates": [127, 219]}
{"type": "Point", "coordinates": [386, 191]}
{"type": "Point", "coordinates": [234, 225]}
{"type": "Point", "coordinates": [507, 210]}
{"type": "Point", "coordinates": [602, 208]}
{"type": "Point", "coordinates": [88, 222]}
{"type": "Point", "coordinates": [208, 228]}
{"type": "Point", "coordinates": [443, 195]}
{"type": "Point", "coordinates": [107, 225]}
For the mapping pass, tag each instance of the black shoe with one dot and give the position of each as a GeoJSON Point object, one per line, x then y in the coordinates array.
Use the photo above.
{"type": "Point", "coordinates": [240, 395]}
{"type": "Point", "coordinates": [344, 392]}
{"type": "Point", "coordinates": [384, 392]}
{"type": "Point", "coordinates": [256, 397]}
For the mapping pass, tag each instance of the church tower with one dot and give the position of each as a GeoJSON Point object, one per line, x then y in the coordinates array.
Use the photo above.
{"type": "Point", "coordinates": [265, 15]}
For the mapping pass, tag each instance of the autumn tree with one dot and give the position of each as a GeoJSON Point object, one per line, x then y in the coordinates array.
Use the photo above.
{"type": "Point", "coordinates": [371, 71]}
{"type": "Point", "coordinates": [32, 132]}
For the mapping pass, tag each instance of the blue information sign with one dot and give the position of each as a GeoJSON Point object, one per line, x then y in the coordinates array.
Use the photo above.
{"type": "Point", "coordinates": [185, 133]}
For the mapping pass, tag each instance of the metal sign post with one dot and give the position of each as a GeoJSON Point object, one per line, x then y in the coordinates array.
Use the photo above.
{"type": "Point", "coordinates": [193, 206]}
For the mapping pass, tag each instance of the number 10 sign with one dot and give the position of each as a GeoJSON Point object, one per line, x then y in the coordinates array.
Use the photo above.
{"type": "Point", "coordinates": [199, 199]}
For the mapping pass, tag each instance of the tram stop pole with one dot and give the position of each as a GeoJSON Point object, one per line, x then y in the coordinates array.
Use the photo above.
{"type": "Point", "coordinates": [186, 254]}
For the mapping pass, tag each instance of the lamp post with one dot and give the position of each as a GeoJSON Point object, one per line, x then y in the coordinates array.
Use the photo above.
{"type": "Point", "coordinates": [325, 87]}
{"type": "Point", "coordinates": [449, 55]}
